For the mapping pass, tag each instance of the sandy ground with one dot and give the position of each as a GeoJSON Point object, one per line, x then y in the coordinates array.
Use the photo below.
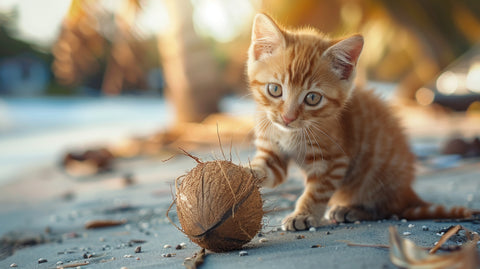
{"type": "Point", "coordinates": [45, 210]}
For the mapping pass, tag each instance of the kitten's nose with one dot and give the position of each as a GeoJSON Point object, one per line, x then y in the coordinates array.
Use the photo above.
{"type": "Point", "coordinates": [287, 120]}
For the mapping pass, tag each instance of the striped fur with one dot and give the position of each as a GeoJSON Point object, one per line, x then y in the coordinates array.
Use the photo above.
{"type": "Point", "coordinates": [354, 154]}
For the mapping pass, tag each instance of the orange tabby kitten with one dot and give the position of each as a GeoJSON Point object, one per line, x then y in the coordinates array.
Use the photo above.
{"type": "Point", "coordinates": [354, 155]}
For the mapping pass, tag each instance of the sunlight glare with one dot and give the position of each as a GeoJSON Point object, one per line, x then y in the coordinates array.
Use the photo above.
{"type": "Point", "coordinates": [221, 20]}
{"type": "Point", "coordinates": [38, 21]}
{"type": "Point", "coordinates": [154, 18]}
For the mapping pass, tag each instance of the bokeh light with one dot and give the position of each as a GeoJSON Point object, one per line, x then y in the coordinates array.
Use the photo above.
{"type": "Point", "coordinates": [473, 78]}
{"type": "Point", "coordinates": [447, 83]}
{"type": "Point", "coordinates": [424, 96]}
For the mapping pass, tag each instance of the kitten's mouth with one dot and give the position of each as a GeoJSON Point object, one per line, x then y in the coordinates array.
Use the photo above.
{"type": "Point", "coordinates": [281, 125]}
{"type": "Point", "coordinates": [288, 128]}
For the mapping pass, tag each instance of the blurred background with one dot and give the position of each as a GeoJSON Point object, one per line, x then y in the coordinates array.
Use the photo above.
{"type": "Point", "coordinates": [77, 72]}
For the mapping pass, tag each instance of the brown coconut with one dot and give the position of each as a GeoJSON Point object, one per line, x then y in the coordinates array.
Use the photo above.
{"type": "Point", "coordinates": [219, 205]}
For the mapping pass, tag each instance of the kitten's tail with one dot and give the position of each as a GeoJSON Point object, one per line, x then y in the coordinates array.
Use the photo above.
{"type": "Point", "coordinates": [435, 211]}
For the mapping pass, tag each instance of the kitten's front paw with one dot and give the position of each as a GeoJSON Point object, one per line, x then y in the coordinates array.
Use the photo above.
{"type": "Point", "coordinates": [301, 221]}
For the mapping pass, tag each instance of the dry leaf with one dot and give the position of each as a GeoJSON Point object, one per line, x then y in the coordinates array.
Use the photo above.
{"type": "Point", "coordinates": [404, 253]}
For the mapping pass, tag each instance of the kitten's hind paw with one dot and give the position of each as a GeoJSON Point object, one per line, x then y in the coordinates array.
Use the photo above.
{"type": "Point", "coordinates": [301, 222]}
{"type": "Point", "coordinates": [348, 214]}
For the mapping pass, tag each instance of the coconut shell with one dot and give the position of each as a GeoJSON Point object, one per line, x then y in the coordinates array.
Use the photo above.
{"type": "Point", "coordinates": [219, 206]}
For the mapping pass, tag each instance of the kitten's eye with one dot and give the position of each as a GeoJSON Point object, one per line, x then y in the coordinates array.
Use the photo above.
{"type": "Point", "coordinates": [313, 99]}
{"type": "Point", "coordinates": [274, 89]}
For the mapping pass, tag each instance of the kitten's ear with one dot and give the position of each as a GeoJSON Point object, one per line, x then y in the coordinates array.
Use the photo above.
{"type": "Point", "coordinates": [266, 37]}
{"type": "Point", "coordinates": [344, 55]}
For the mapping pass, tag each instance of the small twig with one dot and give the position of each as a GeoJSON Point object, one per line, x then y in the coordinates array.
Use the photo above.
{"type": "Point", "coordinates": [195, 261]}
{"type": "Point", "coordinates": [445, 237]}
{"type": "Point", "coordinates": [94, 224]}
{"type": "Point", "coordinates": [351, 244]}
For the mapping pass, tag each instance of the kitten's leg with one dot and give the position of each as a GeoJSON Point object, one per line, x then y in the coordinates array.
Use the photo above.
{"type": "Point", "coordinates": [269, 166]}
{"type": "Point", "coordinates": [311, 205]}
{"type": "Point", "coordinates": [321, 183]}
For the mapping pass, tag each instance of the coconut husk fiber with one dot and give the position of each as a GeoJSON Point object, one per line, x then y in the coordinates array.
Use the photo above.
{"type": "Point", "coordinates": [219, 205]}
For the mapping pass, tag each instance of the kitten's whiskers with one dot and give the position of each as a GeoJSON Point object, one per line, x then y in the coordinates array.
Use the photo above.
{"type": "Point", "coordinates": [316, 142]}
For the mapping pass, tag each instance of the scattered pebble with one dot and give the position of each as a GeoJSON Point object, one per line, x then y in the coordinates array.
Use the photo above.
{"type": "Point", "coordinates": [300, 236]}
{"type": "Point", "coordinates": [13, 265]}
{"type": "Point", "coordinates": [403, 220]}
{"type": "Point", "coordinates": [123, 267]}
{"type": "Point", "coordinates": [101, 239]}
{"type": "Point", "coordinates": [183, 244]}
{"type": "Point", "coordinates": [59, 263]}
{"type": "Point", "coordinates": [411, 225]}
{"type": "Point", "coordinates": [263, 240]}
{"type": "Point", "coordinates": [327, 232]}
{"type": "Point", "coordinates": [243, 253]}
{"type": "Point", "coordinates": [42, 260]}
{"type": "Point", "coordinates": [138, 249]}
{"type": "Point", "coordinates": [357, 222]}
{"type": "Point", "coordinates": [87, 255]}
{"type": "Point", "coordinates": [128, 256]}
{"type": "Point", "coordinates": [178, 247]}
{"type": "Point", "coordinates": [424, 228]}
{"type": "Point", "coordinates": [316, 246]}
{"type": "Point", "coordinates": [312, 229]}
{"type": "Point", "coordinates": [167, 246]}
{"type": "Point", "coordinates": [168, 255]}
{"type": "Point", "coordinates": [407, 233]}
